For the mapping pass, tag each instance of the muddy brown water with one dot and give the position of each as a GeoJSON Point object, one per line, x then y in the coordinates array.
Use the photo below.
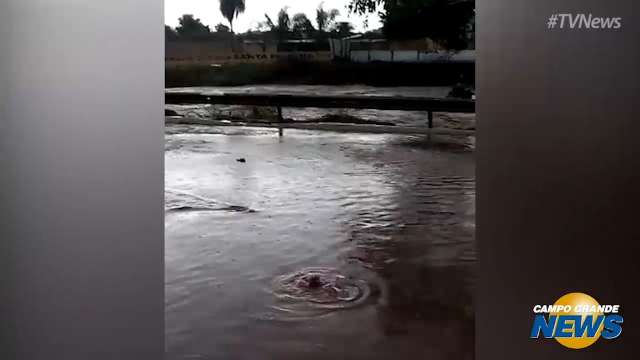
{"type": "Point", "coordinates": [321, 245]}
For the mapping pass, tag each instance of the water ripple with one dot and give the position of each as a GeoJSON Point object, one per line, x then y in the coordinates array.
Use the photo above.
{"type": "Point", "coordinates": [316, 291]}
{"type": "Point", "coordinates": [182, 201]}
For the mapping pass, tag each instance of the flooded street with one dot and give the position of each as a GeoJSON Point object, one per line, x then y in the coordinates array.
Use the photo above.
{"type": "Point", "coordinates": [319, 245]}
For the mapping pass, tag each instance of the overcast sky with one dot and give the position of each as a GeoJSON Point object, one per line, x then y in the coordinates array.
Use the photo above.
{"type": "Point", "coordinates": [208, 11]}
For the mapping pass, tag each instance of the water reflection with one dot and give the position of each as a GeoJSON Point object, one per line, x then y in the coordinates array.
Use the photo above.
{"type": "Point", "coordinates": [421, 242]}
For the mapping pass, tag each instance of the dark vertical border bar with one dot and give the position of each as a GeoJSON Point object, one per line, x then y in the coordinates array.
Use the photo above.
{"type": "Point", "coordinates": [558, 171]}
{"type": "Point", "coordinates": [81, 131]}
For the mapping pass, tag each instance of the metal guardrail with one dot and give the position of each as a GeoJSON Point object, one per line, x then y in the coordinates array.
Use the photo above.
{"type": "Point", "coordinates": [430, 105]}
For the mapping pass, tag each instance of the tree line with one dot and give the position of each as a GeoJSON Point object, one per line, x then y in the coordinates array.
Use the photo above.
{"type": "Point", "coordinates": [448, 22]}
{"type": "Point", "coordinates": [284, 26]}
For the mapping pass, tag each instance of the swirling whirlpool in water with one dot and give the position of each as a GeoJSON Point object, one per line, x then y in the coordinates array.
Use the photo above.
{"type": "Point", "coordinates": [317, 291]}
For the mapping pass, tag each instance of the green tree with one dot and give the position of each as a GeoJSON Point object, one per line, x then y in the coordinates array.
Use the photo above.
{"type": "Point", "coordinates": [364, 7]}
{"type": "Point", "coordinates": [230, 9]}
{"type": "Point", "coordinates": [170, 34]}
{"type": "Point", "coordinates": [301, 25]}
{"type": "Point", "coordinates": [222, 28]}
{"type": "Point", "coordinates": [283, 25]}
{"type": "Point", "coordinates": [444, 21]}
{"type": "Point", "coordinates": [191, 28]}
{"type": "Point", "coordinates": [342, 29]}
{"type": "Point", "coordinates": [325, 19]}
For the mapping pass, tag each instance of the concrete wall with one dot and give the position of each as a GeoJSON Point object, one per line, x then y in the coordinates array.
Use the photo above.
{"type": "Point", "coordinates": [207, 53]}
{"type": "Point", "coordinates": [223, 52]}
{"type": "Point", "coordinates": [411, 56]}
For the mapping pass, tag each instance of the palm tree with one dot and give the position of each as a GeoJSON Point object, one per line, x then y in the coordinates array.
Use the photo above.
{"type": "Point", "coordinates": [230, 9]}
{"type": "Point", "coordinates": [283, 25]}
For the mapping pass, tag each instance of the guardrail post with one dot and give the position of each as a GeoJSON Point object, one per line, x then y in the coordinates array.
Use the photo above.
{"type": "Point", "coordinates": [430, 117]}
{"type": "Point", "coordinates": [280, 121]}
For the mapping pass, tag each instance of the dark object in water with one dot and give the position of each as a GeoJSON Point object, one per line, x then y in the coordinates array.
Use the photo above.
{"type": "Point", "coordinates": [320, 290]}
{"type": "Point", "coordinates": [314, 282]}
{"type": "Point", "coordinates": [169, 112]}
{"type": "Point", "coordinates": [242, 160]}
{"type": "Point", "coordinates": [461, 91]}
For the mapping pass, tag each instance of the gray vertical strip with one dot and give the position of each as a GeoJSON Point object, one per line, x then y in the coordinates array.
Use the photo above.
{"type": "Point", "coordinates": [82, 179]}
{"type": "Point", "coordinates": [7, 217]}
{"type": "Point", "coordinates": [558, 171]}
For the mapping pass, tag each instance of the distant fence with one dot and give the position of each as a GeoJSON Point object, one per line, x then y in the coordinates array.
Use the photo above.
{"type": "Point", "coordinates": [380, 50]}
{"type": "Point", "coordinates": [414, 56]}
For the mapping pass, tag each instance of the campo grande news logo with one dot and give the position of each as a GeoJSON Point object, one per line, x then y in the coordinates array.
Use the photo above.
{"type": "Point", "coordinates": [576, 321]}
